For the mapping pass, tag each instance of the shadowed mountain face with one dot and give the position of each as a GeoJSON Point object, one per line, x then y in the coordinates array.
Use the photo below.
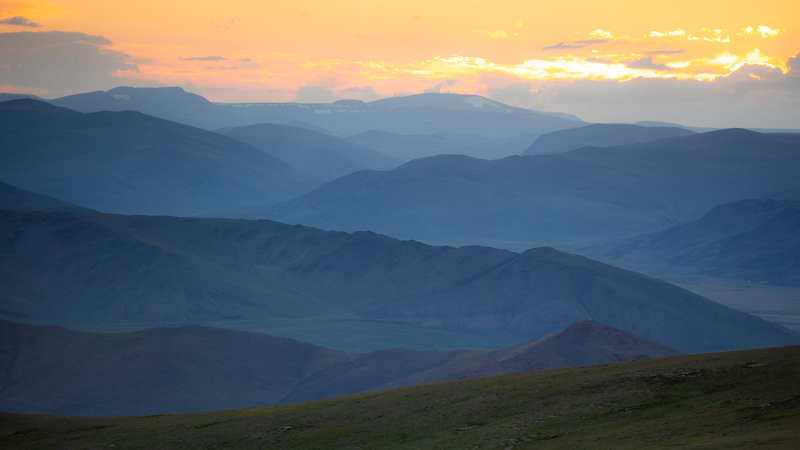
{"type": "Point", "coordinates": [568, 200]}
{"type": "Point", "coordinates": [128, 162]}
{"type": "Point", "coordinates": [15, 199]}
{"type": "Point", "coordinates": [313, 153]}
{"type": "Point", "coordinates": [69, 268]}
{"type": "Point", "coordinates": [600, 135]}
{"type": "Point", "coordinates": [415, 114]}
{"type": "Point", "coordinates": [750, 240]}
{"type": "Point", "coordinates": [52, 370]}
{"type": "Point", "coordinates": [408, 147]}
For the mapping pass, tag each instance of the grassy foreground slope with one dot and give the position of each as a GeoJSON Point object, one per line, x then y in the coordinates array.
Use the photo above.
{"type": "Point", "coordinates": [722, 400]}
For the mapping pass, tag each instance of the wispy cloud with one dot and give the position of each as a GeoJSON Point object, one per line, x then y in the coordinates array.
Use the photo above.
{"type": "Point", "coordinates": [496, 34]}
{"type": "Point", "coordinates": [439, 87]}
{"type": "Point", "coordinates": [563, 46]}
{"type": "Point", "coordinates": [19, 21]}
{"type": "Point", "coordinates": [647, 63]}
{"type": "Point", "coordinates": [205, 58]}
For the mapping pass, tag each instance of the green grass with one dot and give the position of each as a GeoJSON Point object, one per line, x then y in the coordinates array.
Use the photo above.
{"type": "Point", "coordinates": [741, 399]}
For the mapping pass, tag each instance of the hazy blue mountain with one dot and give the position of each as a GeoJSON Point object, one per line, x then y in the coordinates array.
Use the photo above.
{"type": "Point", "coordinates": [412, 146]}
{"type": "Point", "coordinates": [599, 135]}
{"type": "Point", "coordinates": [751, 240]}
{"type": "Point", "coordinates": [188, 369]}
{"type": "Point", "coordinates": [568, 200]}
{"type": "Point", "coordinates": [308, 126]}
{"type": "Point", "coordinates": [313, 153]}
{"type": "Point", "coordinates": [129, 162]}
{"type": "Point", "coordinates": [71, 268]}
{"type": "Point", "coordinates": [16, 199]}
{"type": "Point", "coordinates": [6, 97]}
{"type": "Point", "coordinates": [415, 114]}
{"type": "Point", "coordinates": [169, 103]}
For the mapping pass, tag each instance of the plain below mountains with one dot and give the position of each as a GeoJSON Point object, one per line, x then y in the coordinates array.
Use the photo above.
{"type": "Point", "coordinates": [568, 200]}
{"type": "Point", "coordinates": [311, 152]}
{"type": "Point", "coordinates": [128, 162]}
{"type": "Point", "coordinates": [53, 370]}
{"type": "Point", "coordinates": [72, 268]}
{"type": "Point", "coordinates": [749, 240]}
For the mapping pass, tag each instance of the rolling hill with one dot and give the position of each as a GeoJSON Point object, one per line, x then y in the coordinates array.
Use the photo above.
{"type": "Point", "coordinates": [599, 135]}
{"type": "Point", "coordinates": [741, 399]}
{"type": "Point", "coordinates": [407, 147]}
{"type": "Point", "coordinates": [16, 199]}
{"type": "Point", "coordinates": [189, 369]}
{"type": "Point", "coordinates": [72, 268]}
{"type": "Point", "coordinates": [311, 152]}
{"type": "Point", "coordinates": [127, 162]}
{"type": "Point", "coordinates": [568, 200]}
{"type": "Point", "coordinates": [750, 240]}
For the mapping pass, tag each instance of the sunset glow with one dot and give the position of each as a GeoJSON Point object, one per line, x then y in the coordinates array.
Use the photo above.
{"type": "Point", "coordinates": [316, 51]}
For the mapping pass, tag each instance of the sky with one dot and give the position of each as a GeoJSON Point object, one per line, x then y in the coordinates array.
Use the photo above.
{"type": "Point", "coordinates": [702, 63]}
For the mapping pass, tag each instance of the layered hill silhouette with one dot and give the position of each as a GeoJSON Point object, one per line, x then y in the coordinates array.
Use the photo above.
{"type": "Point", "coordinates": [72, 268]}
{"type": "Point", "coordinates": [53, 370]}
{"type": "Point", "coordinates": [567, 200]}
{"type": "Point", "coordinates": [311, 152]}
{"type": "Point", "coordinates": [407, 147]}
{"type": "Point", "coordinates": [600, 135]}
{"type": "Point", "coordinates": [414, 114]}
{"type": "Point", "coordinates": [749, 240]}
{"type": "Point", "coordinates": [16, 199]}
{"type": "Point", "coordinates": [128, 162]}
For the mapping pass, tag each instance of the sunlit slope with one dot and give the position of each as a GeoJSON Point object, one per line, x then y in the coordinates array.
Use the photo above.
{"type": "Point", "coordinates": [127, 162]}
{"type": "Point", "coordinates": [73, 267]}
{"type": "Point", "coordinates": [566, 200]}
{"type": "Point", "coordinates": [600, 135]}
{"type": "Point", "coordinates": [311, 152]}
{"type": "Point", "coordinates": [742, 399]}
{"type": "Point", "coordinates": [190, 369]}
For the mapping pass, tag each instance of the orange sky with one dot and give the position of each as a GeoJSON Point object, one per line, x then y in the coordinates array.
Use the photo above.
{"type": "Point", "coordinates": [328, 49]}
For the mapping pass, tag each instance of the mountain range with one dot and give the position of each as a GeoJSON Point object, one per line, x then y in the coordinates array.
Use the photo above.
{"type": "Point", "coordinates": [128, 162]}
{"type": "Point", "coordinates": [750, 240]}
{"type": "Point", "coordinates": [74, 268]}
{"type": "Point", "coordinates": [313, 153]}
{"type": "Point", "coordinates": [568, 200]}
{"type": "Point", "coordinates": [53, 370]}
{"type": "Point", "coordinates": [414, 114]}
{"type": "Point", "coordinates": [599, 135]}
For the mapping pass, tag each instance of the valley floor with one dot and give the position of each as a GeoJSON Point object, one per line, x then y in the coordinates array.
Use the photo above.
{"type": "Point", "coordinates": [740, 399]}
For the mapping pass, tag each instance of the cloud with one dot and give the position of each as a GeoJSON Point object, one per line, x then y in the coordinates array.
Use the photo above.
{"type": "Point", "coordinates": [205, 58]}
{"type": "Point", "coordinates": [767, 31]}
{"type": "Point", "coordinates": [592, 41]}
{"type": "Point", "coordinates": [664, 52]}
{"type": "Point", "coordinates": [678, 32]}
{"type": "Point", "coordinates": [19, 21]}
{"type": "Point", "coordinates": [517, 24]}
{"type": "Point", "coordinates": [496, 34]}
{"type": "Point", "coordinates": [438, 88]}
{"type": "Point", "coordinates": [562, 46]}
{"type": "Point", "coordinates": [60, 61]}
{"type": "Point", "coordinates": [647, 63]}
{"type": "Point", "coordinates": [29, 39]}
{"type": "Point", "coordinates": [314, 94]}
{"type": "Point", "coordinates": [752, 96]}
{"type": "Point", "coordinates": [366, 93]}
{"type": "Point", "coordinates": [601, 34]}
{"type": "Point", "coordinates": [600, 60]}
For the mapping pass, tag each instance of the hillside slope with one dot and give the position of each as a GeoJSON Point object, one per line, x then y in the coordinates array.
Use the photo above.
{"type": "Point", "coordinates": [311, 152]}
{"type": "Point", "coordinates": [127, 162]}
{"type": "Point", "coordinates": [567, 200]}
{"type": "Point", "coordinates": [742, 399]}
{"type": "Point", "coordinates": [67, 268]}
{"type": "Point", "coordinates": [53, 370]}
{"type": "Point", "coordinates": [599, 135]}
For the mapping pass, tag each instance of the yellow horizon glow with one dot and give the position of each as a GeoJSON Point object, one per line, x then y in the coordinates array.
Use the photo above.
{"type": "Point", "coordinates": [271, 49]}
